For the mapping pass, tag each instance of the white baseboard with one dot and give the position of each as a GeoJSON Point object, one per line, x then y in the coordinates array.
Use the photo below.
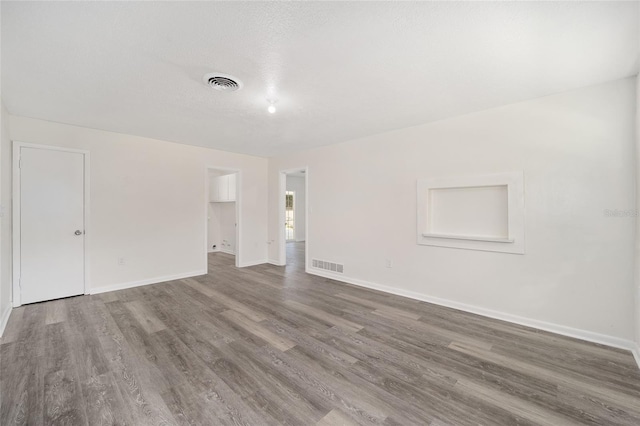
{"type": "Point", "coordinates": [636, 354]}
{"type": "Point", "coordinates": [227, 251]}
{"type": "Point", "coordinates": [589, 336]}
{"type": "Point", "coordinates": [252, 263]}
{"type": "Point", "coordinates": [275, 262]}
{"type": "Point", "coordinates": [131, 284]}
{"type": "Point", "coordinates": [5, 319]}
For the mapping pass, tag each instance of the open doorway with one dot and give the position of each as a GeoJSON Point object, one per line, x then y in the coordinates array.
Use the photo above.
{"type": "Point", "coordinates": [293, 238]}
{"type": "Point", "coordinates": [222, 217]}
{"type": "Point", "coordinates": [290, 215]}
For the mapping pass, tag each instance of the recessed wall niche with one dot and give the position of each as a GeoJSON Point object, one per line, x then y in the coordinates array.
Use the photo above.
{"type": "Point", "coordinates": [484, 212]}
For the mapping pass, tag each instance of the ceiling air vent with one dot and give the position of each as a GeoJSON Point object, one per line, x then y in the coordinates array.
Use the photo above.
{"type": "Point", "coordinates": [222, 82]}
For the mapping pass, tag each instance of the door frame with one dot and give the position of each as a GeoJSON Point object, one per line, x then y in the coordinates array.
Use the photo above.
{"type": "Point", "coordinates": [282, 237]}
{"type": "Point", "coordinates": [238, 173]}
{"type": "Point", "coordinates": [16, 218]}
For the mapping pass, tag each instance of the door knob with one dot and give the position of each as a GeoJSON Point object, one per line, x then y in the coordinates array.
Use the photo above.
{"type": "Point", "coordinates": [78, 232]}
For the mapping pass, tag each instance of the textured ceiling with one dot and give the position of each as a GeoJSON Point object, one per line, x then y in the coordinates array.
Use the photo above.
{"type": "Point", "coordinates": [338, 70]}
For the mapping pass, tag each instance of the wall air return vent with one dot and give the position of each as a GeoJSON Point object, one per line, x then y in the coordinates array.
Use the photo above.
{"type": "Point", "coordinates": [328, 266]}
{"type": "Point", "coordinates": [222, 82]}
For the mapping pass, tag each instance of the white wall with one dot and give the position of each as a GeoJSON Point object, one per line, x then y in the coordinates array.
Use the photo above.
{"type": "Point", "coordinates": [5, 217]}
{"type": "Point", "coordinates": [577, 153]}
{"type": "Point", "coordinates": [148, 202]}
{"type": "Point", "coordinates": [227, 227]}
{"type": "Point", "coordinates": [297, 184]}
{"type": "Point", "coordinates": [213, 231]}
{"type": "Point", "coordinates": [637, 259]}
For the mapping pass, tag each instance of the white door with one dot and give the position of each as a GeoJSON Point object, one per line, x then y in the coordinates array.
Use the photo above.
{"type": "Point", "coordinates": [51, 224]}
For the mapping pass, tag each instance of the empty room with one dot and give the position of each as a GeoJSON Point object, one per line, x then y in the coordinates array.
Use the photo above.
{"type": "Point", "coordinates": [319, 213]}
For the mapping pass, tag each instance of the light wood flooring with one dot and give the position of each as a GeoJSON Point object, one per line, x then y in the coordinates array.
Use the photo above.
{"type": "Point", "coordinates": [271, 345]}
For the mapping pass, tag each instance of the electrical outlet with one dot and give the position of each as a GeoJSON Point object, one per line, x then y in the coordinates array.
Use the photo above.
{"type": "Point", "coordinates": [388, 263]}
{"type": "Point", "coordinates": [121, 261]}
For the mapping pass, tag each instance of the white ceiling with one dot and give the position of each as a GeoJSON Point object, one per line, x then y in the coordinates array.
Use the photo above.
{"type": "Point", "coordinates": [339, 70]}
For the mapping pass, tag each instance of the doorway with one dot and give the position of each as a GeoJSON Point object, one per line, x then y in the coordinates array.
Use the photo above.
{"type": "Point", "coordinates": [290, 216]}
{"type": "Point", "coordinates": [50, 193]}
{"type": "Point", "coordinates": [294, 214]}
{"type": "Point", "coordinates": [222, 230]}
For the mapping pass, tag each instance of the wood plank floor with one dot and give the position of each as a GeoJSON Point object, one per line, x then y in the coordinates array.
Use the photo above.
{"type": "Point", "coordinates": [271, 345]}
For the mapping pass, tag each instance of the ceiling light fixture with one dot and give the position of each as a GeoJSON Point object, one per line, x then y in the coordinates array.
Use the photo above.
{"type": "Point", "coordinates": [272, 106]}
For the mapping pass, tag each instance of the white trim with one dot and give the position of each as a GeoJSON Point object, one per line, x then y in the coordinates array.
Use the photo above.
{"type": "Point", "coordinates": [156, 280]}
{"type": "Point", "coordinates": [307, 212]}
{"type": "Point", "coordinates": [5, 319]}
{"type": "Point", "coordinates": [577, 333]}
{"type": "Point", "coordinates": [253, 263]}
{"type": "Point", "coordinates": [15, 249]}
{"type": "Point", "coordinates": [636, 354]}
{"type": "Point", "coordinates": [282, 232]}
{"type": "Point", "coordinates": [238, 206]}
{"type": "Point", "coordinates": [233, 253]}
{"type": "Point", "coordinates": [469, 238]}
{"type": "Point", "coordinates": [275, 262]}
